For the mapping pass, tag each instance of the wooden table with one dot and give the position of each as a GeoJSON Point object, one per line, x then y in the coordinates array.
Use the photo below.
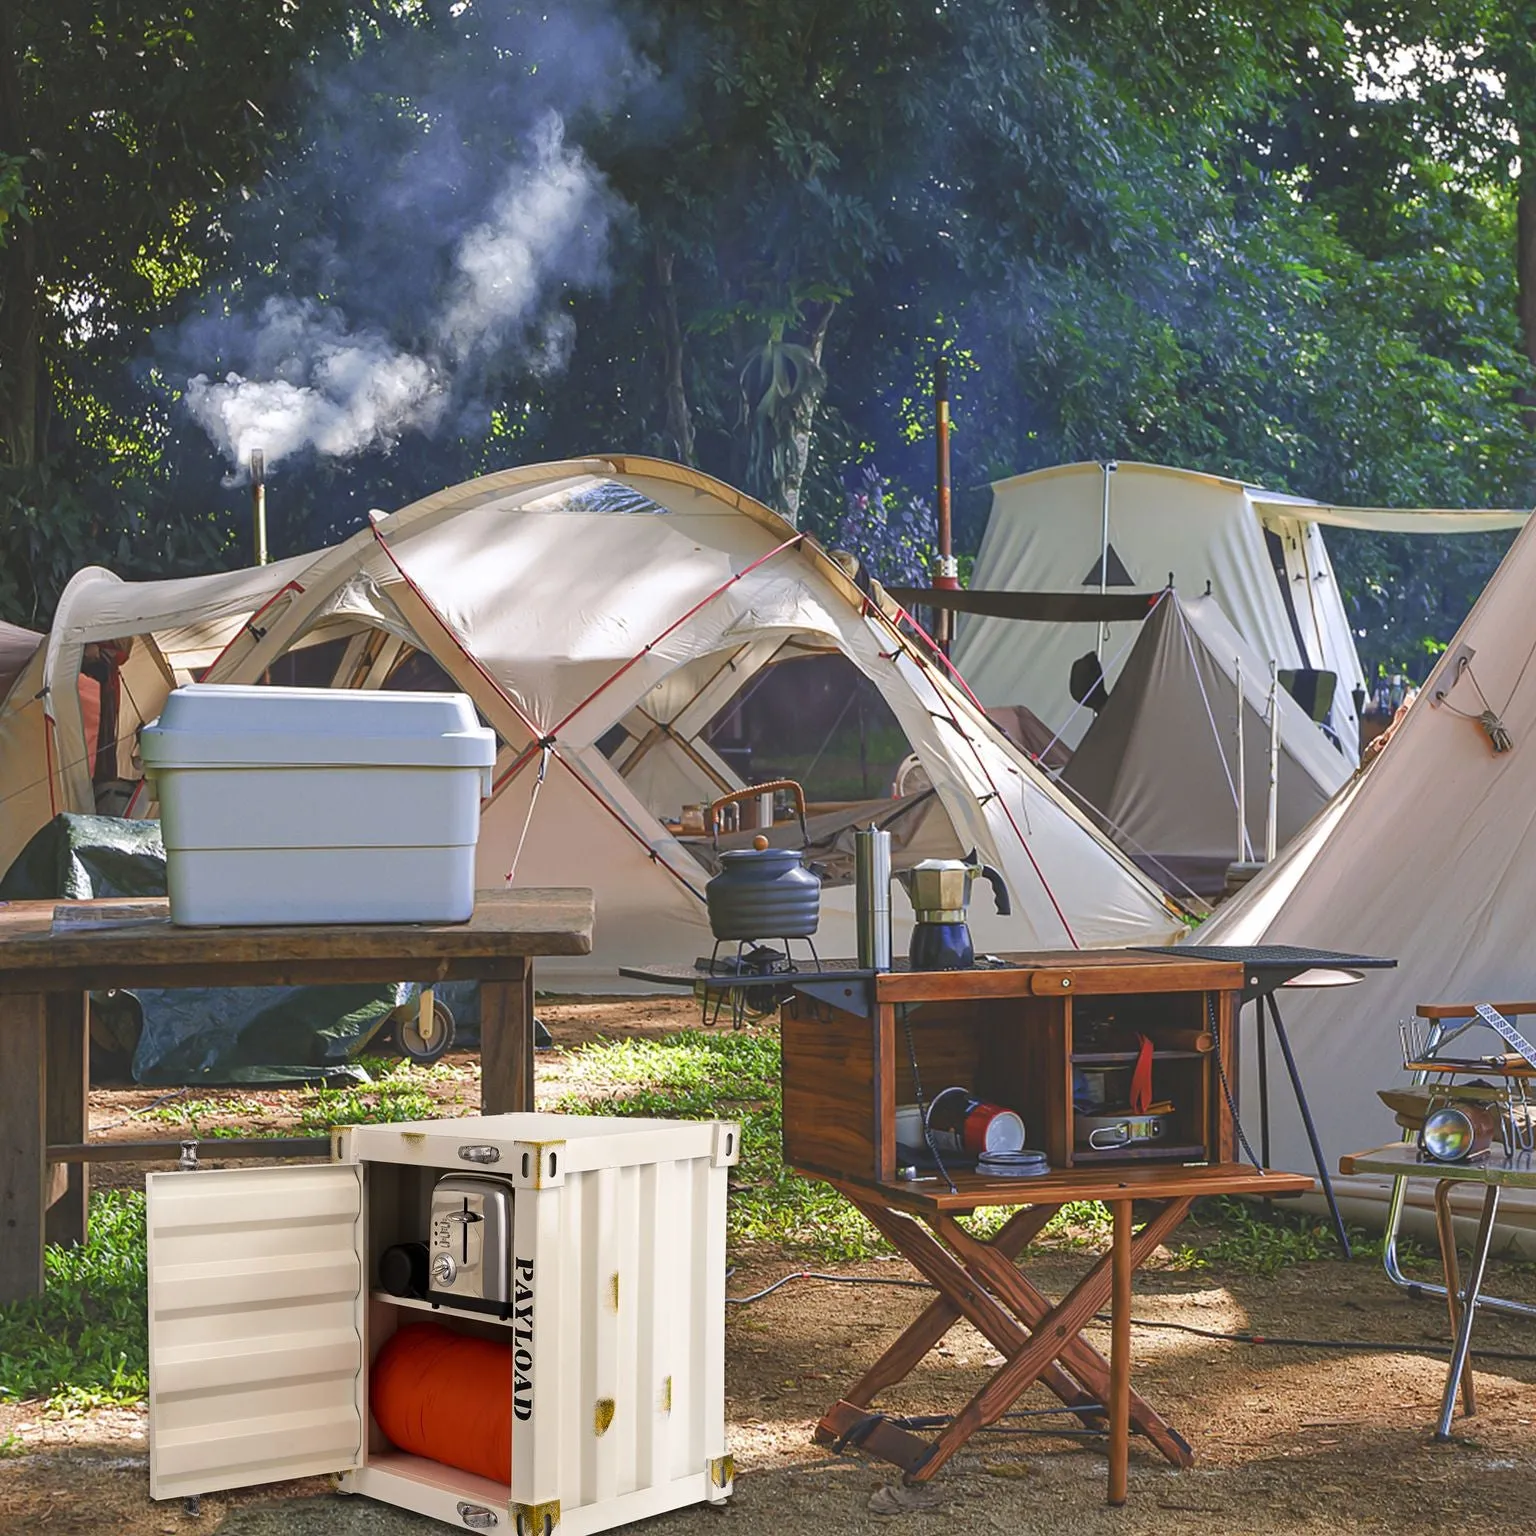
{"type": "Point", "coordinates": [1496, 1172]}
{"type": "Point", "coordinates": [47, 967]}
{"type": "Point", "coordinates": [981, 1281]}
{"type": "Point", "coordinates": [853, 1049]}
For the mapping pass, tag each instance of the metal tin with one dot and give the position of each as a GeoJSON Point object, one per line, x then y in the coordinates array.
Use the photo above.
{"type": "Point", "coordinates": [1100, 1133]}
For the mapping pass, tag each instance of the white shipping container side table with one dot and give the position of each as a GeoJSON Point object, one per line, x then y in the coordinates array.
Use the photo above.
{"type": "Point", "coordinates": [264, 1317]}
{"type": "Point", "coordinates": [318, 805]}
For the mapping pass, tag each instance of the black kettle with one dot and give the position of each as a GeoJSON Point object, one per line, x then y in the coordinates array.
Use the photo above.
{"type": "Point", "coordinates": [763, 892]}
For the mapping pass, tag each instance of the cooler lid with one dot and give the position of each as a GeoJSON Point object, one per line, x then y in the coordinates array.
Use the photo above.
{"type": "Point", "coordinates": [230, 725]}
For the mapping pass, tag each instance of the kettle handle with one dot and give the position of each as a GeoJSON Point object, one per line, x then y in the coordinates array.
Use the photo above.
{"type": "Point", "coordinates": [995, 880]}
{"type": "Point", "coordinates": [751, 792]}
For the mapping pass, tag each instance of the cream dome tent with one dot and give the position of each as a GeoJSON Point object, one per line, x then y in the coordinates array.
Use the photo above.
{"type": "Point", "coordinates": [1159, 766]}
{"type": "Point", "coordinates": [601, 613]}
{"type": "Point", "coordinates": [1259, 553]}
{"type": "Point", "coordinates": [1428, 856]}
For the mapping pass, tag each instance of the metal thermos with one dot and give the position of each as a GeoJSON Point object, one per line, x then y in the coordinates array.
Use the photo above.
{"type": "Point", "coordinates": [872, 897]}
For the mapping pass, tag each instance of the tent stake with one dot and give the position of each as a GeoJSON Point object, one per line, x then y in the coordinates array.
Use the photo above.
{"type": "Point", "coordinates": [1272, 819]}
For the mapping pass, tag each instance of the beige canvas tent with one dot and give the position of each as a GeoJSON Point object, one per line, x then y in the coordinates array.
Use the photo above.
{"type": "Point", "coordinates": [17, 648]}
{"type": "Point", "coordinates": [1159, 767]}
{"type": "Point", "coordinates": [1428, 856]}
{"type": "Point", "coordinates": [1143, 526]}
{"type": "Point", "coordinates": [601, 613]}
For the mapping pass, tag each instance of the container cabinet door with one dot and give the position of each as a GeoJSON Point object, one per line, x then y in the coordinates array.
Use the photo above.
{"type": "Point", "coordinates": [255, 1326]}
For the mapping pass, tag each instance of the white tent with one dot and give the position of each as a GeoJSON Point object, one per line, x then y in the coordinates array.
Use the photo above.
{"type": "Point", "coordinates": [1159, 764]}
{"type": "Point", "coordinates": [601, 613]}
{"type": "Point", "coordinates": [1046, 533]}
{"type": "Point", "coordinates": [1427, 856]}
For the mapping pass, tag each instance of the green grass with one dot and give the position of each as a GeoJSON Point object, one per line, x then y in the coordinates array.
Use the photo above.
{"type": "Point", "coordinates": [82, 1343]}
{"type": "Point", "coordinates": [398, 1091]}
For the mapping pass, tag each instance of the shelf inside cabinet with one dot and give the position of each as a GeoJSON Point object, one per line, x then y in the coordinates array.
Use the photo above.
{"type": "Point", "coordinates": [1141, 1152]}
{"type": "Point", "coordinates": [443, 1311]}
{"type": "Point", "coordinates": [1129, 1058]}
{"type": "Point", "coordinates": [434, 1474]}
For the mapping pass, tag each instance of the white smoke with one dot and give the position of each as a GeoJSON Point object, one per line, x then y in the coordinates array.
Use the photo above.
{"type": "Point", "coordinates": [313, 382]}
{"type": "Point", "coordinates": [323, 386]}
{"type": "Point", "coordinates": [551, 217]}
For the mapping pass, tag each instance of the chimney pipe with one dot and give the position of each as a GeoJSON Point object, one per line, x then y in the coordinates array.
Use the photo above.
{"type": "Point", "coordinates": [947, 576]}
{"type": "Point", "coordinates": [259, 504]}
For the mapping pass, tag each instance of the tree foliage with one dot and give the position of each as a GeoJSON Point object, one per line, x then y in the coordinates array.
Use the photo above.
{"type": "Point", "coordinates": [1295, 243]}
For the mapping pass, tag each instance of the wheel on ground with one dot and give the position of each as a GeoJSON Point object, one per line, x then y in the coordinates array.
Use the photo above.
{"type": "Point", "coordinates": [422, 1051]}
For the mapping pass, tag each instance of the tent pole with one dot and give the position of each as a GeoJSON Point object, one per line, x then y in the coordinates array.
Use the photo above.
{"type": "Point", "coordinates": [1242, 778]}
{"type": "Point", "coordinates": [1110, 467]}
{"type": "Point", "coordinates": [947, 574]}
{"type": "Point", "coordinates": [1271, 820]}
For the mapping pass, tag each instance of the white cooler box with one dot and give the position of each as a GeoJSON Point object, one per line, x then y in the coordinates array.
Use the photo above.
{"type": "Point", "coordinates": [318, 805]}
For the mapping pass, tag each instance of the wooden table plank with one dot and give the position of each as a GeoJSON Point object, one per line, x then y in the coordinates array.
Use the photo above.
{"type": "Point", "coordinates": [529, 921]}
{"type": "Point", "coordinates": [1055, 973]}
{"type": "Point", "coordinates": [1400, 1159]}
{"type": "Point", "coordinates": [1171, 1181]}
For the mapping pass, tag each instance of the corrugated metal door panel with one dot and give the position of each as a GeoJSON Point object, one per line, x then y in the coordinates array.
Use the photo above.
{"type": "Point", "coordinates": [682, 1279]}
{"type": "Point", "coordinates": [255, 1349]}
{"type": "Point", "coordinates": [631, 1405]}
{"type": "Point", "coordinates": [608, 1415]}
{"type": "Point", "coordinates": [709, 1318]}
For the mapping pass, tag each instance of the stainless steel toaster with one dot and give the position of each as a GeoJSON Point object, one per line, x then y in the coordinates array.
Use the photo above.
{"type": "Point", "coordinates": [469, 1262]}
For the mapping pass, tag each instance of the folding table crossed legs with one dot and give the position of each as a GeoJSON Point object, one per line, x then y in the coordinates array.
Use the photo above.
{"type": "Point", "coordinates": [980, 1281]}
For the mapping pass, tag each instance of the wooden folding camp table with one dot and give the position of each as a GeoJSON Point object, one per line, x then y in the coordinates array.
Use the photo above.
{"type": "Point", "coordinates": [857, 1044]}
{"type": "Point", "coordinates": [53, 953]}
{"type": "Point", "coordinates": [1495, 1172]}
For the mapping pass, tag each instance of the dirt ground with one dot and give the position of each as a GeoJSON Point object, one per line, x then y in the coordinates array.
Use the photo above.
{"type": "Point", "coordinates": [1286, 1439]}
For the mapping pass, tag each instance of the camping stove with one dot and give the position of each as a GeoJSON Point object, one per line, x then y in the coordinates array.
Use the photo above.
{"type": "Point", "coordinates": [760, 961]}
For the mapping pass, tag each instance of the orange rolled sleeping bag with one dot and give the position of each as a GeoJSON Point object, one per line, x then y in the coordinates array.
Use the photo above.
{"type": "Point", "coordinates": [446, 1396]}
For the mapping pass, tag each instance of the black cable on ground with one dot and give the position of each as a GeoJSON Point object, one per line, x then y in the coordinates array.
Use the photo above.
{"type": "Point", "coordinates": [811, 1274]}
{"type": "Point", "coordinates": [1384, 1346]}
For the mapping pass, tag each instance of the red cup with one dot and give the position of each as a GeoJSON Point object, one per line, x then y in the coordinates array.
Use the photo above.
{"type": "Point", "coordinates": [973, 1126]}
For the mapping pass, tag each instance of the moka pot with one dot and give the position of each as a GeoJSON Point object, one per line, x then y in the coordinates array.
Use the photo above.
{"type": "Point", "coordinates": [940, 893]}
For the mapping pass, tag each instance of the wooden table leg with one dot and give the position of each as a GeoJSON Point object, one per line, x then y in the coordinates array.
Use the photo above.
{"type": "Point", "coordinates": [1445, 1227]}
{"type": "Point", "coordinates": [506, 1045]}
{"type": "Point", "coordinates": [1046, 1343]}
{"type": "Point", "coordinates": [952, 1279]}
{"type": "Point", "coordinates": [1085, 1363]}
{"type": "Point", "coordinates": [1120, 1356]}
{"type": "Point", "coordinates": [941, 1314]}
{"type": "Point", "coordinates": [68, 1113]}
{"type": "Point", "coordinates": [23, 1145]}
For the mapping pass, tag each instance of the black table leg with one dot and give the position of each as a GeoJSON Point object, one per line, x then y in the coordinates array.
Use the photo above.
{"type": "Point", "coordinates": [1306, 1120]}
{"type": "Point", "coordinates": [1263, 1026]}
